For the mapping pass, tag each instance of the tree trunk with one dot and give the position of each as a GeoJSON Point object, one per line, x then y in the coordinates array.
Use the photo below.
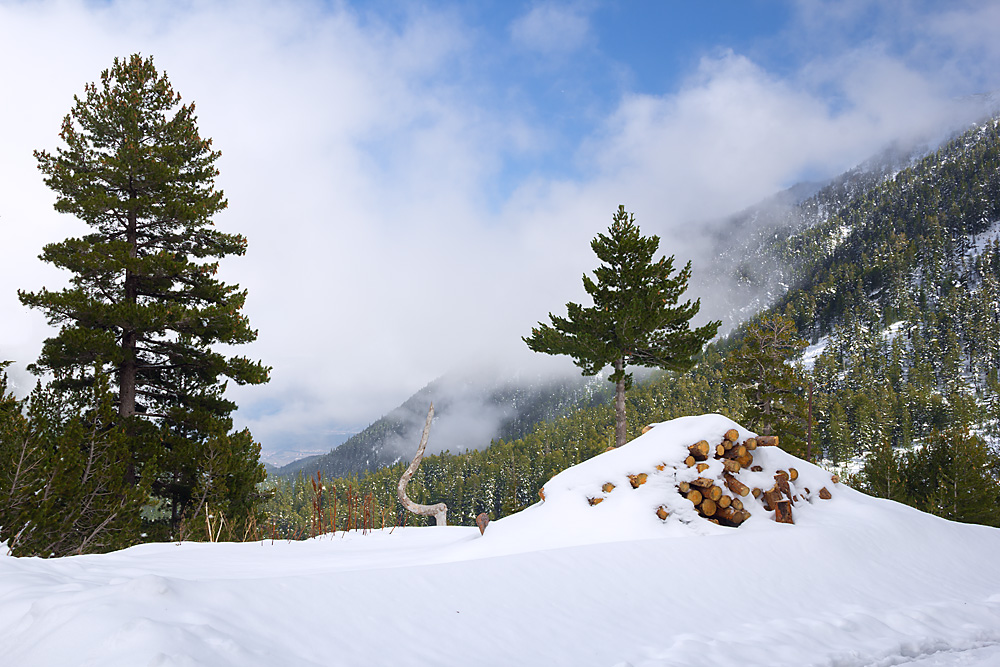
{"type": "Point", "coordinates": [620, 405]}
{"type": "Point", "coordinates": [438, 511]}
{"type": "Point", "coordinates": [127, 371]}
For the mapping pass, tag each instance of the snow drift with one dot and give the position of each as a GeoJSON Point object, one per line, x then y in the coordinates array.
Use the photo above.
{"type": "Point", "coordinates": [855, 581]}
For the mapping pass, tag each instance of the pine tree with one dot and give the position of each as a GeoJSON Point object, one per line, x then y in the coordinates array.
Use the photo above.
{"type": "Point", "coordinates": [882, 474]}
{"type": "Point", "coordinates": [635, 319]}
{"type": "Point", "coordinates": [955, 473]}
{"type": "Point", "coordinates": [773, 387]}
{"type": "Point", "coordinates": [143, 304]}
{"type": "Point", "coordinates": [64, 486]}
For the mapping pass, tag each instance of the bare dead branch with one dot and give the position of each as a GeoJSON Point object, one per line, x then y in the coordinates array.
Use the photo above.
{"type": "Point", "coordinates": [438, 511]}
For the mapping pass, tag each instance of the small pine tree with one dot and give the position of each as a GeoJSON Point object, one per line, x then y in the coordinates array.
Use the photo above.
{"type": "Point", "coordinates": [64, 474]}
{"type": "Point", "coordinates": [635, 319]}
{"type": "Point", "coordinates": [773, 386]}
{"type": "Point", "coordinates": [966, 489]}
{"type": "Point", "coordinates": [882, 474]}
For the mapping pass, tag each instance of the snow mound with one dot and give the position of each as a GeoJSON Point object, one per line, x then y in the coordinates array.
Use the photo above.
{"type": "Point", "coordinates": [617, 495]}
{"type": "Point", "coordinates": [856, 582]}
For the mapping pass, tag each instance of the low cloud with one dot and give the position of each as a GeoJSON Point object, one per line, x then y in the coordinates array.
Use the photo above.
{"type": "Point", "coordinates": [361, 159]}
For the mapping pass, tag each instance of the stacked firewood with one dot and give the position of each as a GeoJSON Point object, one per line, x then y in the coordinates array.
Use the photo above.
{"type": "Point", "coordinates": [717, 506]}
{"type": "Point", "coordinates": [717, 492]}
{"type": "Point", "coordinates": [706, 493]}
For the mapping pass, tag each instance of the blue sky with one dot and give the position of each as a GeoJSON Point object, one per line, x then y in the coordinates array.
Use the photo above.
{"type": "Point", "coordinates": [419, 182]}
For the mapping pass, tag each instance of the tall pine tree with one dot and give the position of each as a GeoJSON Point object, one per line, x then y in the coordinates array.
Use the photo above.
{"type": "Point", "coordinates": [143, 303]}
{"type": "Point", "coordinates": [635, 319]}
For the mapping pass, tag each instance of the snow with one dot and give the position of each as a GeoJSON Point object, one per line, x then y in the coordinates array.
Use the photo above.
{"type": "Point", "coordinates": [856, 581]}
{"type": "Point", "coordinates": [982, 240]}
{"type": "Point", "coordinates": [814, 352]}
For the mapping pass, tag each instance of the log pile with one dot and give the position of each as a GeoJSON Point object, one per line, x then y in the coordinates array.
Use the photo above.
{"type": "Point", "coordinates": [719, 498]}
{"type": "Point", "coordinates": [709, 478]}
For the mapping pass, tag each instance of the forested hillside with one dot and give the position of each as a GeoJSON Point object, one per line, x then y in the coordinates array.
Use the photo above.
{"type": "Point", "coordinates": [893, 275]}
{"type": "Point", "coordinates": [472, 410]}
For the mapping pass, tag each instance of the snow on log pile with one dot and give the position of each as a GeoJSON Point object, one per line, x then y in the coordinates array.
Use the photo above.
{"type": "Point", "coordinates": [706, 467]}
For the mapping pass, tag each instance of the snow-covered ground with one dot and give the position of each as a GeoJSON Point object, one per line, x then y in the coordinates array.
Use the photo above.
{"type": "Point", "coordinates": [855, 581]}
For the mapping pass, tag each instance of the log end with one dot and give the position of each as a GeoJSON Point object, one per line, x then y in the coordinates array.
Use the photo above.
{"type": "Point", "coordinates": [637, 480]}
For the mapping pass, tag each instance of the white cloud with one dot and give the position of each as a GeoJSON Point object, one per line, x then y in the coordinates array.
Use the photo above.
{"type": "Point", "coordinates": [360, 159]}
{"type": "Point", "coordinates": [551, 28]}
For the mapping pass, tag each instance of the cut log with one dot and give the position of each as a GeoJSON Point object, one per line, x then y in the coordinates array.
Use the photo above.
{"type": "Point", "coordinates": [824, 494]}
{"type": "Point", "coordinates": [661, 467]}
{"type": "Point", "coordinates": [713, 493]}
{"type": "Point", "coordinates": [783, 512]}
{"type": "Point", "coordinates": [728, 516]}
{"type": "Point", "coordinates": [647, 428]}
{"type": "Point", "coordinates": [727, 444]}
{"type": "Point", "coordinates": [756, 492]}
{"type": "Point", "coordinates": [756, 469]}
{"type": "Point", "coordinates": [720, 450]}
{"type": "Point", "coordinates": [700, 450]}
{"type": "Point", "coordinates": [690, 461]}
{"type": "Point", "coordinates": [750, 443]}
{"type": "Point", "coordinates": [707, 507]}
{"type": "Point", "coordinates": [703, 482]}
{"type": "Point", "coordinates": [736, 451]}
{"type": "Point", "coordinates": [793, 474]}
{"type": "Point", "coordinates": [482, 520]}
{"type": "Point", "coordinates": [835, 479]}
{"type": "Point", "coordinates": [732, 434]}
{"type": "Point", "coordinates": [694, 495]}
{"type": "Point", "coordinates": [735, 485]}
{"type": "Point", "coordinates": [702, 467]}
{"type": "Point", "coordinates": [608, 487]}
{"type": "Point", "coordinates": [541, 493]}
{"type": "Point", "coordinates": [662, 512]}
{"type": "Point", "coordinates": [637, 480]}
{"type": "Point", "coordinates": [746, 460]}
{"type": "Point", "coordinates": [737, 504]}
{"type": "Point", "coordinates": [724, 500]}
{"type": "Point", "coordinates": [683, 487]}
{"type": "Point", "coordinates": [771, 499]}
{"type": "Point", "coordinates": [595, 501]}
{"type": "Point", "coordinates": [731, 466]}
{"type": "Point", "coordinates": [781, 481]}
{"type": "Point", "coordinates": [767, 441]}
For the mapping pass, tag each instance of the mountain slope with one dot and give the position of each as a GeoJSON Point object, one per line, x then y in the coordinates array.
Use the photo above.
{"type": "Point", "coordinates": [471, 411]}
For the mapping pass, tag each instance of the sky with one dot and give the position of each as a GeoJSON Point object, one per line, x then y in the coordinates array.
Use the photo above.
{"type": "Point", "coordinates": [419, 182]}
